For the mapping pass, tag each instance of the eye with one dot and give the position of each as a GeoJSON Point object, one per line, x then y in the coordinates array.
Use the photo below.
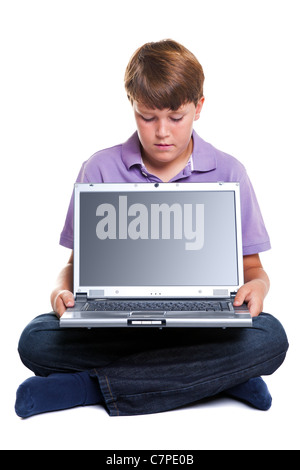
{"type": "Point", "coordinates": [147, 119]}
{"type": "Point", "coordinates": [176, 119]}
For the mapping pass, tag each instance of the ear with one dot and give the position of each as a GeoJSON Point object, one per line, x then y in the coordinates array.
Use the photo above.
{"type": "Point", "coordinates": [199, 108]}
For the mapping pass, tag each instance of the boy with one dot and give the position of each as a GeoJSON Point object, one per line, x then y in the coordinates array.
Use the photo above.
{"type": "Point", "coordinates": [155, 370]}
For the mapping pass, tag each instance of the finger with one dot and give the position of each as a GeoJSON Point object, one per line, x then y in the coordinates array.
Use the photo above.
{"type": "Point", "coordinates": [67, 298]}
{"type": "Point", "coordinates": [240, 296]}
{"type": "Point", "coordinates": [255, 307]}
{"type": "Point", "coordinates": [59, 306]}
{"type": "Point", "coordinates": [63, 300]}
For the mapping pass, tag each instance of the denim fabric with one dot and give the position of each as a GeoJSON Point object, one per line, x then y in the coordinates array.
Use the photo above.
{"type": "Point", "coordinates": [150, 370]}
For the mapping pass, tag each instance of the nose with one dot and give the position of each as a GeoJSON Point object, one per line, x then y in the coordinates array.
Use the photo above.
{"type": "Point", "coordinates": [162, 130]}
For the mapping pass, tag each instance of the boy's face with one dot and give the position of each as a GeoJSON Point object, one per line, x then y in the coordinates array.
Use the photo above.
{"type": "Point", "coordinates": [165, 135]}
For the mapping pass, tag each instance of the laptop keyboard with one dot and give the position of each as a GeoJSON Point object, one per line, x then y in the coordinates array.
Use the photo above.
{"type": "Point", "coordinates": [179, 306]}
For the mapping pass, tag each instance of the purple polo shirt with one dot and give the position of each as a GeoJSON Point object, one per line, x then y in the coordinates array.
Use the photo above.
{"type": "Point", "coordinates": [123, 164]}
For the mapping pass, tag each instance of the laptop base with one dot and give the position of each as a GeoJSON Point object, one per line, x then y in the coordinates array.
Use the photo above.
{"type": "Point", "coordinates": [78, 317]}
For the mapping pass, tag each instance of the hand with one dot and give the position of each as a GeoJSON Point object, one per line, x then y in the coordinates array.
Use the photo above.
{"type": "Point", "coordinates": [253, 293]}
{"type": "Point", "coordinates": [61, 300]}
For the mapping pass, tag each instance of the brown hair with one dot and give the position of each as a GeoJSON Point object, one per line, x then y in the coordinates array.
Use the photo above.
{"type": "Point", "coordinates": [164, 75]}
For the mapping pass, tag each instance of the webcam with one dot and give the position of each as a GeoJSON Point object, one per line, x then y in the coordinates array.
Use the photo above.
{"type": "Point", "coordinates": [156, 185]}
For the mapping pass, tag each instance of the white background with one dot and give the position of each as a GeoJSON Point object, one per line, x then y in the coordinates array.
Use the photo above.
{"type": "Point", "coordinates": [62, 99]}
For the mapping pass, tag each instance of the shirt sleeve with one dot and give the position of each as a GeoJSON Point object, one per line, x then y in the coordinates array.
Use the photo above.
{"type": "Point", "coordinates": [254, 233]}
{"type": "Point", "coordinates": [66, 236]}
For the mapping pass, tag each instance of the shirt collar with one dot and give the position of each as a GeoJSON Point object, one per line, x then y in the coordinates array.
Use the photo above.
{"type": "Point", "coordinates": [131, 152]}
{"type": "Point", "coordinates": [204, 154]}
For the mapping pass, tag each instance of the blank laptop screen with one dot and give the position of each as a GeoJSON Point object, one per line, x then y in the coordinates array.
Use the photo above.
{"type": "Point", "coordinates": [158, 239]}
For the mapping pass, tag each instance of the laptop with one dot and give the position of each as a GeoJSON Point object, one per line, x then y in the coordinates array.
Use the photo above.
{"type": "Point", "coordinates": [157, 255]}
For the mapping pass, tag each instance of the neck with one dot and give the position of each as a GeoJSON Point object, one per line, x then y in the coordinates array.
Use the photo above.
{"type": "Point", "coordinates": [165, 171]}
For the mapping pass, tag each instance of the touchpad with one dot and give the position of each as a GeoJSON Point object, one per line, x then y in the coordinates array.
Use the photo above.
{"type": "Point", "coordinates": [148, 313]}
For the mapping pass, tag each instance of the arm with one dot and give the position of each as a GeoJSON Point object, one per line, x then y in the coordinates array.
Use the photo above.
{"type": "Point", "coordinates": [62, 296]}
{"type": "Point", "coordinates": [256, 285]}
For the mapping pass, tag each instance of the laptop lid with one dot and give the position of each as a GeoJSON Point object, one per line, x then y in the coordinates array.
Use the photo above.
{"type": "Point", "coordinates": [157, 240]}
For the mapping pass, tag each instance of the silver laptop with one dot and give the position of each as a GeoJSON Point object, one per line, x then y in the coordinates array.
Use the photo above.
{"type": "Point", "coordinates": [157, 255]}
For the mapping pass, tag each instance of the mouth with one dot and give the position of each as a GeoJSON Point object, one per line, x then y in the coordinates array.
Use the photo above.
{"type": "Point", "coordinates": [163, 146]}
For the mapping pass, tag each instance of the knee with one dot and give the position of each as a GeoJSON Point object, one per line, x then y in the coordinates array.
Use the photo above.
{"type": "Point", "coordinates": [273, 337]}
{"type": "Point", "coordinates": [34, 344]}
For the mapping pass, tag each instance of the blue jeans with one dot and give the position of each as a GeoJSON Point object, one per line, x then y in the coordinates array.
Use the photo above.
{"type": "Point", "coordinates": [150, 370]}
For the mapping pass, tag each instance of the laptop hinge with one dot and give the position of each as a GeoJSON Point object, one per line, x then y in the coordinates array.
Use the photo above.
{"type": "Point", "coordinates": [81, 297]}
{"type": "Point", "coordinates": [233, 294]}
